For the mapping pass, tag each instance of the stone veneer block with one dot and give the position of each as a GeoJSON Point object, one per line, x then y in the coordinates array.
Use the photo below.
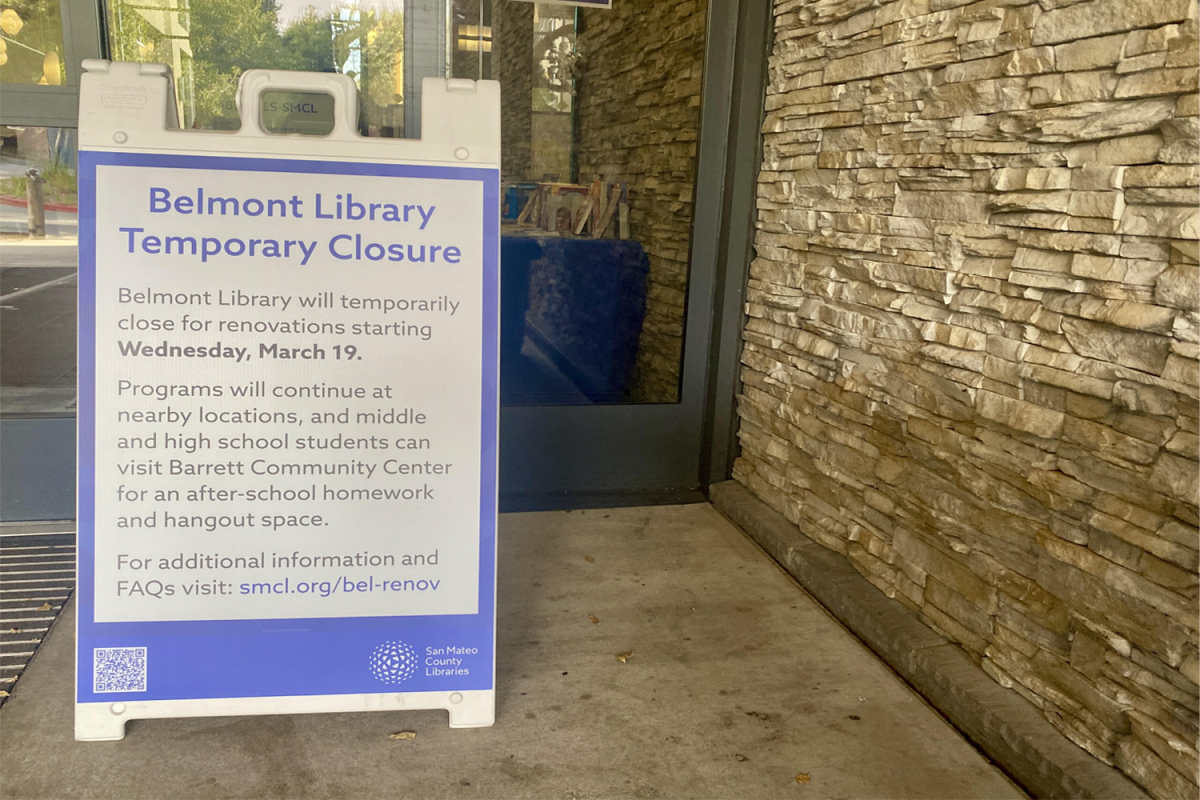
{"type": "Point", "coordinates": [1084, 20]}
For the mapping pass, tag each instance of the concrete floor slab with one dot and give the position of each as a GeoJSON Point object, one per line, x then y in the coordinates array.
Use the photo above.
{"type": "Point", "coordinates": [738, 683]}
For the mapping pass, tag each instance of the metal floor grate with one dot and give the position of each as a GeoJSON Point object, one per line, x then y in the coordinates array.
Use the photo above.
{"type": "Point", "coordinates": [37, 575]}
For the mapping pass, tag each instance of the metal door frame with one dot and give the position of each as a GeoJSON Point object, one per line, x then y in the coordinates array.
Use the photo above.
{"type": "Point", "coordinates": [58, 106]}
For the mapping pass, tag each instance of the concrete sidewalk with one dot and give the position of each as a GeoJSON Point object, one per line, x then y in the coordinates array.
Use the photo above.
{"type": "Point", "coordinates": [50, 253]}
{"type": "Point", "coordinates": [739, 682]}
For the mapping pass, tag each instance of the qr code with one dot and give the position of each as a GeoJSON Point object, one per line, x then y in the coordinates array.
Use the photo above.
{"type": "Point", "coordinates": [119, 669]}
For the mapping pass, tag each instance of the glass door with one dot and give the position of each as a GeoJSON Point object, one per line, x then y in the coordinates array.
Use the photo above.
{"type": "Point", "coordinates": [613, 114]}
{"type": "Point", "coordinates": [616, 134]}
{"type": "Point", "coordinates": [615, 128]}
{"type": "Point", "coordinates": [42, 43]}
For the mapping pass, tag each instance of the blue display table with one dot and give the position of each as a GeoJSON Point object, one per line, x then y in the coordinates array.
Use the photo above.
{"type": "Point", "coordinates": [581, 302]}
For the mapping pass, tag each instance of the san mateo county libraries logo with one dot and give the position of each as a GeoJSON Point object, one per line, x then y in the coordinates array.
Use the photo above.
{"type": "Point", "coordinates": [393, 662]}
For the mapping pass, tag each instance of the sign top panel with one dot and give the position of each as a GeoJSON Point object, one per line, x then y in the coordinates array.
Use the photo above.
{"type": "Point", "coordinates": [130, 107]}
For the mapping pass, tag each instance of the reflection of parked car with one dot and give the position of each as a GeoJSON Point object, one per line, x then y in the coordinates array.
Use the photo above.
{"type": "Point", "coordinates": [8, 141]}
{"type": "Point", "coordinates": [33, 144]}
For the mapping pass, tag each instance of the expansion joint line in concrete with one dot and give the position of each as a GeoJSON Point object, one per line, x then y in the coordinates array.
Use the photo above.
{"type": "Point", "coordinates": [1003, 725]}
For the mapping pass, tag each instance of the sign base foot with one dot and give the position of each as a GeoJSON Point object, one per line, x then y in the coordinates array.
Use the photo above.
{"type": "Point", "coordinates": [472, 709]}
{"type": "Point", "coordinates": [105, 722]}
{"type": "Point", "coordinates": [100, 722]}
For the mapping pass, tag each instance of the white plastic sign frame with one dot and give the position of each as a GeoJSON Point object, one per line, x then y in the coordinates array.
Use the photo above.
{"type": "Point", "coordinates": [342, 643]}
{"type": "Point", "coordinates": [601, 4]}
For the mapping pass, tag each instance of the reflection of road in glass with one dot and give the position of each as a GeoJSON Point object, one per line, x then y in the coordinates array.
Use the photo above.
{"type": "Point", "coordinates": [37, 323]}
{"type": "Point", "coordinates": [13, 167]}
{"type": "Point", "coordinates": [14, 218]}
{"type": "Point", "coordinates": [53, 152]}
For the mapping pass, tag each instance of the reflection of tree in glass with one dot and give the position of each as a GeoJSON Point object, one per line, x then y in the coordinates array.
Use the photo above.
{"type": "Point", "coordinates": [385, 55]}
{"type": "Point", "coordinates": [382, 79]}
{"type": "Point", "coordinates": [31, 37]}
{"type": "Point", "coordinates": [227, 37]}
{"type": "Point", "coordinates": [309, 40]}
{"type": "Point", "coordinates": [558, 63]}
{"type": "Point", "coordinates": [134, 38]}
{"type": "Point", "coordinates": [218, 32]}
{"type": "Point", "coordinates": [368, 45]}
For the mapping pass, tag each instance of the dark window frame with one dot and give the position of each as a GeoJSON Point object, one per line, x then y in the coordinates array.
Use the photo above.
{"type": "Point", "coordinates": [58, 106]}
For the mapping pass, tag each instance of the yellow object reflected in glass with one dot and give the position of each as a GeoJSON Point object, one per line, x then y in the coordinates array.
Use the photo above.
{"type": "Point", "coordinates": [11, 22]}
{"type": "Point", "coordinates": [31, 43]}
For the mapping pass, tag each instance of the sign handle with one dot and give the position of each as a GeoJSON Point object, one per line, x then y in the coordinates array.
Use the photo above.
{"type": "Point", "coordinates": [254, 82]}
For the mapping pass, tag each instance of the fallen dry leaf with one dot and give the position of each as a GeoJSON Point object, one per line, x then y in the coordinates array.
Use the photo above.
{"type": "Point", "coordinates": [589, 559]}
{"type": "Point", "coordinates": [14, 630]}
{"type": "Point", "coordinates": [739, 757]}
{"type": "Point", "coordinates": [623, 657]}
{"type": "Point", "coordinates": [3, 693]}
{"type": "Point", "coordinates": [592, 617]}
{"type": "Point", "coordinates": [44, 607]}
{"type": "Point", "coordinates": [803, 778]}
{"type": "Point", "coordinates": [403, 735]}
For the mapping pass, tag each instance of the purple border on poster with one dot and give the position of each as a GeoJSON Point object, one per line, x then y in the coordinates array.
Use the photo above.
{"type": "Point", "coordinates": [273, 657]}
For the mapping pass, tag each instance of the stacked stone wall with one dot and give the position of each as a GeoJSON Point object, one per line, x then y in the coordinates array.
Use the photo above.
{"type": "Point", "coordinates": [970, 361]}
{"type": "Point", "coordinates": [512, 62]}
{"type": "Point", "coordinates": [638, 122]}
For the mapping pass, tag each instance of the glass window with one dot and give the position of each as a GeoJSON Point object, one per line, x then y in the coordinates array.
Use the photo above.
{"type": "Point", "coordinates": [38, 274]}
{"type": "Point", "coordinates": [31, 43]}
{"type": "Point", "coordinates": [600, 121]}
